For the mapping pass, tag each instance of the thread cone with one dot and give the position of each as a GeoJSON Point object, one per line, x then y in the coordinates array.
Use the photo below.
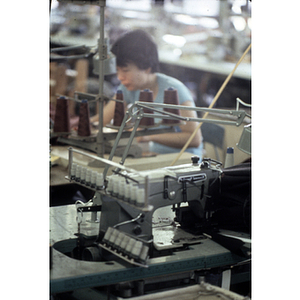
{"type": "Point", "coordinates": [119, 109]}
{"type": "Point", "coordinates": [171, 97]}
{"type": "Point", "coordinates": [84, 128]}
{"type": "Point", "coordinates": [146, 96]}
{"type": "Point", "coordinates": [62, 116]}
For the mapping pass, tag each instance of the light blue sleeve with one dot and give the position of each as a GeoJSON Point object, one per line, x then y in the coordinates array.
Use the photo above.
{"type": "Point", "coordinates": [184, 94]}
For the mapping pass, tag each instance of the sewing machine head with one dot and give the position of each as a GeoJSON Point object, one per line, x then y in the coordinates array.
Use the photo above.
{"type": "Point", "coordinates": [131, 200]}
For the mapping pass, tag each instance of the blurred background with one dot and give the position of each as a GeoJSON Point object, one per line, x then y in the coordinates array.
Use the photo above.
{"type": "Point", "coordinates": [199, 42]}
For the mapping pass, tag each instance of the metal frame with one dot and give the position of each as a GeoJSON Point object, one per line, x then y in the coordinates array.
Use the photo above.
{"type": "Point", "coordinates": [137, 111]}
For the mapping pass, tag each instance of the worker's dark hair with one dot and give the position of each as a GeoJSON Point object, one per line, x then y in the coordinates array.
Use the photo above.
{"type": "Point", "coordinates": [136, 47]}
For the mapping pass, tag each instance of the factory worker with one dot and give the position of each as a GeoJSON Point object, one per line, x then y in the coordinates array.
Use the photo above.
{"type": "Point", "coordinates": [137, 69]}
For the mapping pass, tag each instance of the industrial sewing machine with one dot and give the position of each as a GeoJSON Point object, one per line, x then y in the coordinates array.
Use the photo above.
{"type": "Point", "coordinates": [135, 243]}
{"type": "Point", "coordinates": [129, 199]}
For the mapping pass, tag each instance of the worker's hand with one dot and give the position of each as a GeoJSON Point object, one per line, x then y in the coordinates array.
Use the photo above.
{"type": "Point", "coordinates": [74, 122]}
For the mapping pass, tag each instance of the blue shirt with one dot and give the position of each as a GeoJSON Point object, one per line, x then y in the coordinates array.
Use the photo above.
{"type": "Point", "coordinates": [165, 82]}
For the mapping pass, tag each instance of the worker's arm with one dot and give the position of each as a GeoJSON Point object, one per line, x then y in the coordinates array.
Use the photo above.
{"type": "Point", "coordinates": [108, 113]}
{"type": "Point", "coordinates": [178, 139]}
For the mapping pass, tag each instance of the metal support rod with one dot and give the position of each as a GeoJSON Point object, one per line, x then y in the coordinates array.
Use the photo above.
{"type": "Point", "coordinates": [154, 106]}
{"type": "Point", "coordinates": [105, 161]}
{"type": "Point", "coordinates": [58, 49]}
{"type": "Point", "coordinates": [151, 105]}
{"type": "Point", "coordinates": [102, 56]}
{"type": "Point", "coordinates": [146, 191]}
{"type": "Point", "coordinates": [240, 115]}
{"type": "Point", "coordinates": [131, 137]}
{"type": "Point", "coordinates": [70, 161]}
{"type": "Point", "coordinates": [64, 57]}
{"type": "Point", "coordinates": [115, 145]}
{"type": "Point", "coordinates": [236, 122]}
{"type": "Point", "coordinates": [136, 125]}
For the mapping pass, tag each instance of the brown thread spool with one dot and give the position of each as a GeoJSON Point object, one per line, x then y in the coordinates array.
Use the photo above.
{"type": "Point", "coordinates": [84, 128]}
{"type": "Point", "coordinates": [62, 115]}
{"type": "Point", "coordinates": [146, 96]}
{"type": "Point", "coordinates": [171, 97]}
{"type": "Point", "coordinates": [119, 109]}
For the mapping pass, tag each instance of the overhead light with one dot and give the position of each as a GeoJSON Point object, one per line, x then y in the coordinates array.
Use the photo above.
{"type": "Point", "coordinates": [176, 40]}
{"type": "Point", "coordinates": [208, 23]}
{"type": "Point", "coordinates": [199, 21]}
{"type": "Point", "coordinates": [239, 23]}
{"type": "Point", "coordinates": [250, 23]}
{"type": "Point", "coordinates": [177, 52]}
{"type": "Point", "coordinates": [130, 14]}
{"type": "Point", "coordinates": [185, 19]}
{"type": "Point", "coordinates": [236, 9]}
